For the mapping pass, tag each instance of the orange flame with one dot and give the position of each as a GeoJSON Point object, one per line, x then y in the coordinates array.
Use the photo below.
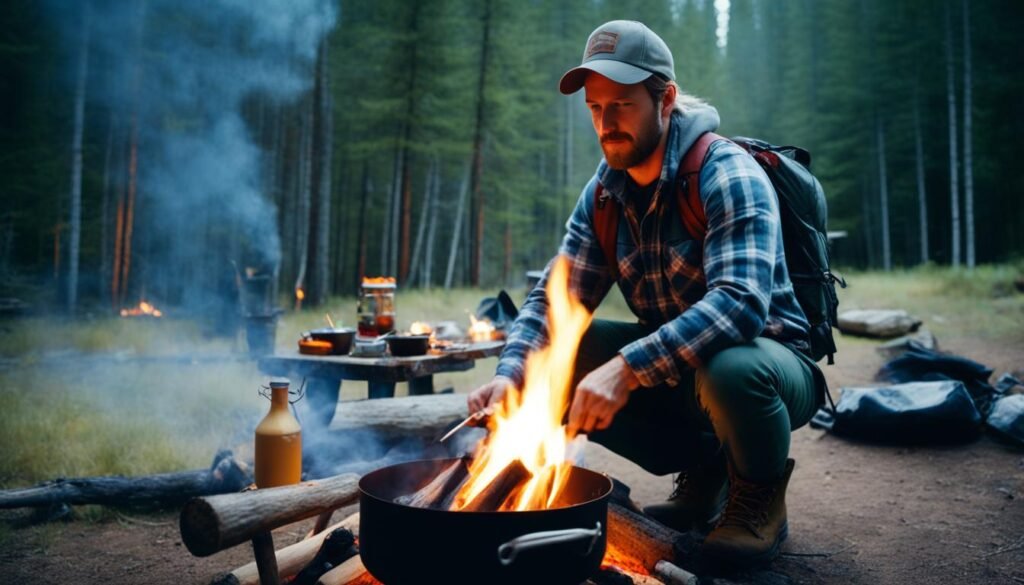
{"type": "Point", "coordinates": [481, 329]}
{"type": "Point", "coordinates": [300, 294]}
{"type": "Point", "coordinates": [528, 425]}
{"type": "Point", "coordinates": [420, 328]}
{"type": "Point", "coordinates": [143, 308]}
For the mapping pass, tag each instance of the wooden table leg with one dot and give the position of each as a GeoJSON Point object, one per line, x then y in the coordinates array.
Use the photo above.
{"type": "Point", "coordinates": [381, 389]}
{"type": "Point", "coordinates": [321, 400]}
{"type": "Point", "coordinates": [266, 558]}
{"type": "Point", "coordinates": [421, 385]}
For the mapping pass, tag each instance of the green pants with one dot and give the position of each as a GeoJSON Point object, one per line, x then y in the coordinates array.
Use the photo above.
{"type": "Point", "coordinates": [743, 403]}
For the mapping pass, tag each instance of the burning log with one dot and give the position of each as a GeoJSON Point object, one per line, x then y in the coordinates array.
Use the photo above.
{"type": "Point", "coordinates": [214, 523]}
{"type": "Point", "coordinates": [501, 487]}
{"type": "Point", "coordinates": [351, 572]}
{"type": "Point", "coordinates": [290, 559]}
{"type": "Point", "coordinates": [338, 547]}
{"type": "Point", "coordinates": [441, 491]}
{"type": "Point", "coordinates": [225, 475]}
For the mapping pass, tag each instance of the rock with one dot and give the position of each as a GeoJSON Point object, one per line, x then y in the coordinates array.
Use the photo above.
{"type": "Point", "coordinates": [922, 337]}
{"type": "Point", "coordinates": [878, 322]}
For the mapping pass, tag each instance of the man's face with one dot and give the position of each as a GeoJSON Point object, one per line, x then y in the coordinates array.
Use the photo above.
{"type": "Point", "coordinates": [627, 123]}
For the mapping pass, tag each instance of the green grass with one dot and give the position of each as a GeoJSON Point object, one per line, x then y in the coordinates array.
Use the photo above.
{"type": "Point", "coordinates": [66, 409]}
{"type": "Point", "coordinates": [981, 303]}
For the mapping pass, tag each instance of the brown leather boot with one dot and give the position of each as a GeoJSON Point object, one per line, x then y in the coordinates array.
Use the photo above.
{"type": "Point", "coordinates": [753, 524]}
{"type": "Point", "coordinates": [696, 501]}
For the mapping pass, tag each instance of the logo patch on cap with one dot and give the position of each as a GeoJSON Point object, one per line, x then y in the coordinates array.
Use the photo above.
{"type": "Point", "coordinates": [602, 42]}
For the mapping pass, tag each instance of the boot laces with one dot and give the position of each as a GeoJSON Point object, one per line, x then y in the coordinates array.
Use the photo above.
{"type": "Point", "coordinates": [748, 506]}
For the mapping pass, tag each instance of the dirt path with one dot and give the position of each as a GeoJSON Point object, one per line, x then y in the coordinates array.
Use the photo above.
{"type": "Point", "coordinates": [858, 513]}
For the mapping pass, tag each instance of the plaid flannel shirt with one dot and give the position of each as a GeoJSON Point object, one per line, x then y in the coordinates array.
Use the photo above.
{"type": "Point", "coordinates": [703, 297]}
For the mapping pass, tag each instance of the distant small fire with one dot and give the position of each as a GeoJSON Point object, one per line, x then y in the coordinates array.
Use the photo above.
{"type": "Point", "coordinates": [481, 329]}
{"type": "Point", "coordinates": [143, 309]}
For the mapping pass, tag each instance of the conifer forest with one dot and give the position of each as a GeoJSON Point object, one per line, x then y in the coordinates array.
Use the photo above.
{"type": "Point", "coordinates": [158, 148]}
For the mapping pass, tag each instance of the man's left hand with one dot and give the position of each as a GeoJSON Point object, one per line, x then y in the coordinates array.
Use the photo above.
{"type": "Point", "coordinates": [600, 395]}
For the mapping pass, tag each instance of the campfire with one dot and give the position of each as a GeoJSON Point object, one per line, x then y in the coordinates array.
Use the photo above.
{"type": "Point", "coordinates": [143, 309]}
{"type": "Point", "coordinates": [515, 510]}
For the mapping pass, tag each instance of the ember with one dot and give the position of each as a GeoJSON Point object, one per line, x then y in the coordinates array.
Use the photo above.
{"type": "Point", "coordinates": [143, 309]}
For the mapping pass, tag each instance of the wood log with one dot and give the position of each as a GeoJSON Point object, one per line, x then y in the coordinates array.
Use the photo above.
{"type": "Point", "coordinates": [427, 417]}
{"type": "Point", "coordinates": [225, 475]}
{"type": "Point", "coordinates": [214, 523]}
{"type": "Point", "coordinates": [348, 573]}
{"type": "Point", "coordinates": [290, 559]}
{"type": "Point", "coordinates": [670, 574]}
{"type": "Point", "coordinates": [501, 487]}
{"type": "Point", "coordinates": [339, 546]}
{"type": "Point", "coordinates": [441, 491]}
{"type": "Point", "coordinates": [640, 537]}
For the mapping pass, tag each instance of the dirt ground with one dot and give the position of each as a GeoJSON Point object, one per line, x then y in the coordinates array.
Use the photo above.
{"type": "Point", "coordinates": [858, 513]}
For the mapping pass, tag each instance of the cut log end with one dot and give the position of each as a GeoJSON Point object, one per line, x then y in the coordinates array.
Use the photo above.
{"type": "Point", "coordinates": [200, 529]}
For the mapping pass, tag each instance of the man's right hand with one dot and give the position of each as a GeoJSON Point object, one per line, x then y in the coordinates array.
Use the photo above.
{"type": "Point", "coordinates": [488, 394]}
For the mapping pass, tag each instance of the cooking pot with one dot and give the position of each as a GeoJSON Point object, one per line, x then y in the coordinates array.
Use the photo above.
{"type": "Point", "coordinates": [408, 345]}
{"type": "Point", "coordinates": [340, 338]}
{"type": "Point", "coordinates": [402, 544]}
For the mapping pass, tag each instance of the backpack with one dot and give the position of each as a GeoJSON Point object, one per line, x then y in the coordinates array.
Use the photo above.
{"type": "Point", "coordinates": [803, 213]}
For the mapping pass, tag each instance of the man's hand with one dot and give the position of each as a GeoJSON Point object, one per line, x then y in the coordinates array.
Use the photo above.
{"type": "Point", "coordinates": [600, 395]}
{"type": "Point", "coordinates": [488, 394]}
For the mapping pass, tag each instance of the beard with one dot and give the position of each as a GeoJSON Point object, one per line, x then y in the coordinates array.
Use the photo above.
{"type": "Point", "coordinates": [632, 151]}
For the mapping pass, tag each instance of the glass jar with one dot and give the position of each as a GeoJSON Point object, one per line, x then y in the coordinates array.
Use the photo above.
{"type": "Point", "coordinates": [376, 310]}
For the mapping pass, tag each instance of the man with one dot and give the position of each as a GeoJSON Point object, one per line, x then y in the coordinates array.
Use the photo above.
{"type": "Point", "coordinates": [712, 380]}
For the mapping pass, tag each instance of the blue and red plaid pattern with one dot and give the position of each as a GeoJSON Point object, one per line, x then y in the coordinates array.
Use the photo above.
{"type": "Point", "coordinates": [703, 297]}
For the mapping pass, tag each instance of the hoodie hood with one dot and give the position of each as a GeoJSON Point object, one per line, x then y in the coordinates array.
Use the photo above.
{"type": "Point", "coordinates": [685, 127]}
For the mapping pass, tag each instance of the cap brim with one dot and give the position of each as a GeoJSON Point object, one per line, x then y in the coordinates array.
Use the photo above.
{"type": "Point", "coordinates": [617, 71]}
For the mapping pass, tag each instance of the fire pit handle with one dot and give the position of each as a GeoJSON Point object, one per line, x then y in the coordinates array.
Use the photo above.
{"type": "Point", "coordinates": [507, 552]}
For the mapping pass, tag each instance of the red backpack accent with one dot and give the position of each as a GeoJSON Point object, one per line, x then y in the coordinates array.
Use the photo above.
{"type": "Point", "coordinates": [691, 210]}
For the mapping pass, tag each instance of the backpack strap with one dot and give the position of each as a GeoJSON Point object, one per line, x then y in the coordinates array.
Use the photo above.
{"type": "Point", "coordinates": [691, 209]}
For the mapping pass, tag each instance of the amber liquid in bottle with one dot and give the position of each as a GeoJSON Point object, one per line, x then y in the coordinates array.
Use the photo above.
{"type": "Point", "coordinates": [278, 443]}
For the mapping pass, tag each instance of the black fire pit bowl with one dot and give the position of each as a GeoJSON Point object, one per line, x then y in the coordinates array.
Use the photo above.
{"type": "Point", "coordinates": [403, 545]}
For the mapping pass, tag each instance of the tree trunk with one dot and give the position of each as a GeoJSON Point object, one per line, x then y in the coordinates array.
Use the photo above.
{"type": "Point", "coordinates": [361, 238]}
{"type": "Point", "coordinates": [76, 163]}
{"type": "Point", "coordinates": [304, 196]}
{"type": "Point", "coordinates": [421, 227]}
{"type": "Point", "coordinates": [883, 194]}
{"type": "Point", "coordinates": [321, 258]}
{"type": "Point", "coordinates": [922, 199]}
{"type": "Point", "coordinates": [133, 163]}
{"type": "Point", "coordinates": [457, 230]}
{"type": "Point", "coordinates": [968, 142]}
{"type": "Point", "coordinates": [428, 260]}
{"type": "Point", "coordinates": [105, 220]}
{"type": "Point", "coordinates": [954, 186]}
{"type": "Point", "coordinates": [476, 247]}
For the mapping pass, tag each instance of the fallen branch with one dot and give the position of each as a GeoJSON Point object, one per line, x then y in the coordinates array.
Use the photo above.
{"type": "Point", "coordinates": [225, 475]}
{"type": "Point", "coordinates": [214, 523]}
{"type": "Point", "coordinates": [338, 547]}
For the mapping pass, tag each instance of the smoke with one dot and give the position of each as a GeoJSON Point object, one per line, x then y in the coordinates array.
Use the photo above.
{"type": "Point", "coordinates": [180, 73]}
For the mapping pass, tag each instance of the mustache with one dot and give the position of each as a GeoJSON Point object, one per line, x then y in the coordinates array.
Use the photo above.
{"type": "Point", "coordinates": [616, 136]}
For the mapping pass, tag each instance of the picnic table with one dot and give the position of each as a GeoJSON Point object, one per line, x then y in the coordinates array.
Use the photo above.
{"type": "Point", "coordinates": [323, 374]}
